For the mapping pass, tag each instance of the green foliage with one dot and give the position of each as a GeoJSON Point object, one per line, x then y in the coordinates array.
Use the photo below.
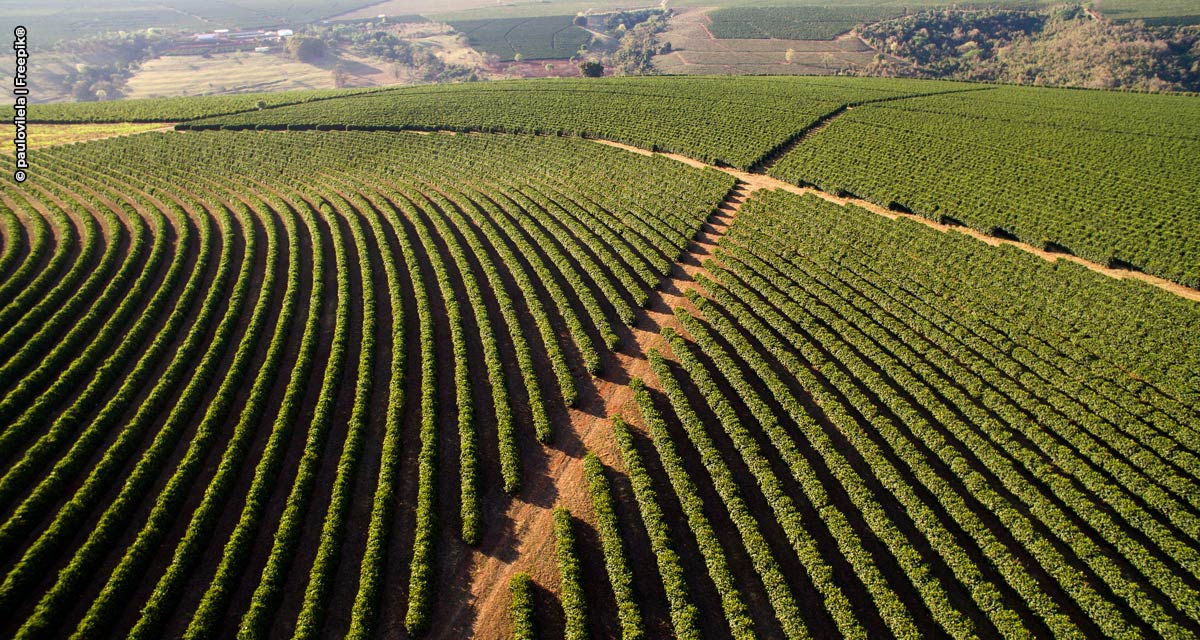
{"type": "Point", "coordinates": [1061, 46]}
{"type": "Point", "coordinates": [381, 44]}
{"type": "Point", "coordinates": [591, 69]}
{"type": "Point", "coordinates": [731, 121]}
{"type": "Point", "coordinates": [936, 39]}
{"type": "Point", "coordinates": [306, 48]}
{"type": "Point", "coordinates": [620, 576]}
{"type": "Point", "coordinates": [54, 20]}
{"type": "Point", "coordinates": [794, 23]}
{"type": "Point", "coordinates": [573, 602]}
{"type": "Point", "coordinates": [186, 555]}
{"type": "Point", "coordinates": [637, 48]}
{"type": "Point", "coordinates": [521, 607]}
{"type": "Point", "coordinates": [540, 38]}
{"type": "Point", "coordinates": [1033, 163]}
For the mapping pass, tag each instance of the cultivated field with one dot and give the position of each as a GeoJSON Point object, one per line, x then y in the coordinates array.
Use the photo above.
{"type": "Point", "coordinates": [793, 23]}
{"type": "Point", "coordinates": [695, 49]}
{"type": "Point", "coordinates": [637, 357]}
{"type": "Point", "coordinates": [542, 38]}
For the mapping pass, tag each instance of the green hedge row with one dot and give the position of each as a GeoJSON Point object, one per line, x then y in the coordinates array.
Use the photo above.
{"type": "Point", "coordinates": [39, 237]}
{"type": "Point", "coordinates": [210, 612]}
{"type": "Point", "coordinates": [320, 577]}
{"type": "Point", "coordinates": [510, 457]}
{"type": "Point", "coordinates": [116, 517]}
{"type": "Point", "coordinates": [684, 616]}
{"type": "Point", "coordinates": [132, 566]}
{"type": "Point", "coordinates": [883, 598]}
{"type": "Point", "coordinates": [29, 512]}
{"type": "Point", "coordinates": [465, 402]}
{"type": "Point", "coordinates": [573, 602]}
{"type": "Point", "coordinates": [365, 611]}
{"type": "Point", "coordinates": [737, 615]}
{"type": "Point", "coordinates": [60, 276]}
{"type": "Point", "coordinates": [259, 617]}
{"type": "Point", "coordinates": [783, 601]}
{"type": "Point", "coordinates": [170, 586]}
{"type": "Point", "coordinates": [38, 332]}
{"type": "Point", "coordinates": [521, 607]}
{"type": "Point", "coordinates": [92, 333]}
{"type": "Point", "coordinates": [620, 575]}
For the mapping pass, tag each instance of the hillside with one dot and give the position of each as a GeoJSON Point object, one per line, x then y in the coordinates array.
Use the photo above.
{"type": "Point", "coordinates": [777, 357]}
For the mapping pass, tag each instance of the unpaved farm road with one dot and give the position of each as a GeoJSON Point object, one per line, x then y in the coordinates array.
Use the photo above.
{"type": "Point", "coordinates": [563, 482]}
{"type": "Point", "coordinates": [759, 181]}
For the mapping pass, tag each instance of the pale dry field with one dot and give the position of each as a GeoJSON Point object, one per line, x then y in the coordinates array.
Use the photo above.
{"type": "Point", "coordinates": [225, 73]}
{"type": "Point", "coordinates": [51, 135]}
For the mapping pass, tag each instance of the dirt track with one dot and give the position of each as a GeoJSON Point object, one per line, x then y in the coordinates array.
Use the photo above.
{"type": "Point", "coordinates": [562, 482]}
{"type": "Point", "coordinates": [759, 181]}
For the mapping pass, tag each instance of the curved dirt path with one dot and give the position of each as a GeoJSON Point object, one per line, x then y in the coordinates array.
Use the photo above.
{"type": "Point", "coordinates": [760, 181]}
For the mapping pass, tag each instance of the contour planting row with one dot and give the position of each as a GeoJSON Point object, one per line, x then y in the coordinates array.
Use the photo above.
{"type": "Point", "coordinates": [964, 448]}
{"type": "Point", "coordinates": [1035, 164]}
{"type": "Point", "coordinates": [1052, 513]}
{"type": "Point", "coordinates": [177, 109]}
{"type": "Point", "coordinates": [732, 121]}
{"type": "Point", "coordinates": [232, 345]}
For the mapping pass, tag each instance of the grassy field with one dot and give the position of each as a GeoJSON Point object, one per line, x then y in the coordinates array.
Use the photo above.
{"type": "Point", "coordinates": [485, 360]}
{"type": "Point", "coordinates": [51, 135]}
{"type": "Point", "coordinates": [225, 73]}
